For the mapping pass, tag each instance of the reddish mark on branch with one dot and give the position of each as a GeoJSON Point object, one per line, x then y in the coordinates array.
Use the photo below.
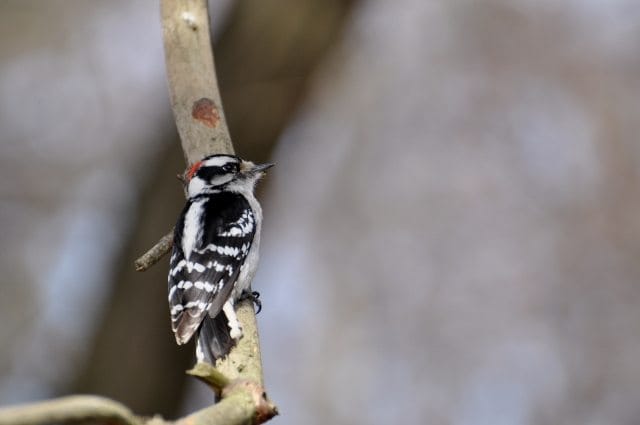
{"type": "Point", "coordinates": [205, 111]}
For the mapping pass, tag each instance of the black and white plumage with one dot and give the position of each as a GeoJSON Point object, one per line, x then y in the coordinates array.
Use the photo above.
{"type": "Point", "coordinates": [215, 253]}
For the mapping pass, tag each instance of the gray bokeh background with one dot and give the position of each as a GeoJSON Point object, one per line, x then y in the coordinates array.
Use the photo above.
{"type": "Point", "coordinates": [452, 230]}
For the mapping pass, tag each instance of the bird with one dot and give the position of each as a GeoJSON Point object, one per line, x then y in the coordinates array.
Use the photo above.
{"type": "Point", "coordinates": [215, 253]}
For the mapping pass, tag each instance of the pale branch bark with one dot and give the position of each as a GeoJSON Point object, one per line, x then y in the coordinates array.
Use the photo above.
{"type": "Point", "coordinates": [245, 359]}
{"type": "Point", "coordinates": [193, 87]}
{"type": "Point", "coordinates": [153, 255]}
{"type": "Point", "coordinates": [244, 397]}
{"type": "Point", "coordinates": [210, 376]}
{"type": "Point", "coordinates": [69, 409]}
{"type": "Point", "coordinates": [239, 398]}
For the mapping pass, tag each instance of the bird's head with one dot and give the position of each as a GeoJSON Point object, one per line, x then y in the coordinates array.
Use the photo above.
{"type": "Point", "coordinates": [223, 172]}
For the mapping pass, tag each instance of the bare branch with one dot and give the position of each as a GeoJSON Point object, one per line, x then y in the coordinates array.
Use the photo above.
{"type": "Point", "coordinates": [69, 409]}
{"type": "Point", "coordinates": [243, 403]}
{"type": "Point", "coordinates": [195, 97]}
{"type": "Point", "coordinates": [238, 408]}
{"type": "Point", "coordinates": [210, 376]}
{"type": "Point", "coordinates": [159, 250]}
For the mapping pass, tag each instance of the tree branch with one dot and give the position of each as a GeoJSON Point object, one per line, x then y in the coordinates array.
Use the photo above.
{"type": "Point", "coordinates": [242, 403]}
{"type": "Point", "coordinates": [243, 406]}
{"type": "Point", "coordinates": [69, 409]}
{"type": "Point", "coordinates": [193, 87]}
{"type": "Point", "coordinates": [153, 255]}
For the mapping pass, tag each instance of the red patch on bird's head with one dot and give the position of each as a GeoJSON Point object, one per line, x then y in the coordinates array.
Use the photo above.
{"type": "Point", "coordinates": [193, 170]}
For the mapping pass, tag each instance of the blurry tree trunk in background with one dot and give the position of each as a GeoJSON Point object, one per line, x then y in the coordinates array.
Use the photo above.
{"type": "Point", "coordinates": [133, 358]}
{"type": "Point", "coordinates": [264, 59]}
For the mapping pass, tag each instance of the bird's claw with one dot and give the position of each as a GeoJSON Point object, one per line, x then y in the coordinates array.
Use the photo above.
{"type": "Point", "coordinates": [254, 297]}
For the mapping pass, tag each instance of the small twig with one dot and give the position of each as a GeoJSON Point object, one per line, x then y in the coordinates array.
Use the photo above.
{"type": "Point", "coordinates": [69, 409]}
{"type": "Point", "coordinates": [152, 256]}
{"type": "Point", "coordinates": [210, 376]}
{"type": "Point", "coordinates": [163, 246]}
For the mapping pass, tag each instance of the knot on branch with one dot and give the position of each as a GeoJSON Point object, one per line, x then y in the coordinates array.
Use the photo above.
{"type": "Point", "coordinates": [205, 111]}
{"type": "Point", "coordinates": [264, 408]}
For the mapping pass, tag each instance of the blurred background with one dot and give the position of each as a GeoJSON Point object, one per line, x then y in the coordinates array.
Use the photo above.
{"type": "Point", "coordinates": [452, 230]}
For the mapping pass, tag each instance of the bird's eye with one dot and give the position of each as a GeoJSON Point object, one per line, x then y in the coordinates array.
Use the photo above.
{"type": "Point", "coordinates": [230, 168]}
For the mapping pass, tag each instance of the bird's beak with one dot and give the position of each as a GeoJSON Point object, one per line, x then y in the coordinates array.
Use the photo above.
{"type": "Point", "coordinates": [249, 169]}
{"type": "Point", "coordinates": [260, 168]}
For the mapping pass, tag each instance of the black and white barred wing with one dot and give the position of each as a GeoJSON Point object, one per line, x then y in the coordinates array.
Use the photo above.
{"type": "Point", "coordinates": [193, 291]}
{"type": "Point", "coordinates": [204, 268]}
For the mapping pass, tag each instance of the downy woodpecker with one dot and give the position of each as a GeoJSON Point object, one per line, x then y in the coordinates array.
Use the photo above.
{"type": "Point", "coordinates": [215, 253]}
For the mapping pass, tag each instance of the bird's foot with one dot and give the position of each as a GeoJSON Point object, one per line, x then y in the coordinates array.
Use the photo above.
{"type": "Point", "coordinates": [254, 297]}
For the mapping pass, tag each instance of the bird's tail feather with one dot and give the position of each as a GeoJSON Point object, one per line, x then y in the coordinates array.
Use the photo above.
{"type": "Point", "coordinates": [214, 341]}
